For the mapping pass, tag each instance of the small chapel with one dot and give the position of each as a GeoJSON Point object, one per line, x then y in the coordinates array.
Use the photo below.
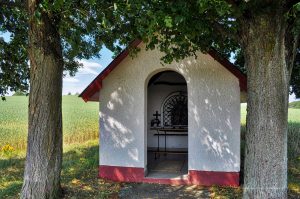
{"type": "Point", "coordinates": [175, 123]}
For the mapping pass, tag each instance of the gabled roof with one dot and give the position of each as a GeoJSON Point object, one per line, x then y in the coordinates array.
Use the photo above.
{"type": "Point", "coordinates": [96, 84]}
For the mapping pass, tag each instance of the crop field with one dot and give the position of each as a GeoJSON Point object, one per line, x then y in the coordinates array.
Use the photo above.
{"type": "Point", "coordinates": [294, 114]}
{"type": "Point", "coordinates": [80, 120]}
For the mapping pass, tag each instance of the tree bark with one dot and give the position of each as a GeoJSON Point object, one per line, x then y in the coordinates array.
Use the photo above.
{"type": "Point", "coordinates": [263, 38]}
{"type": "Point", "coordinates": [44, 145]}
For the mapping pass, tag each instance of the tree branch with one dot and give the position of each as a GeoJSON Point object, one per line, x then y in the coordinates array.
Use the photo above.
{"type": "Point", "coordinates": [292, 43]}
{"type": "Point", "coordinates": [292, 36]}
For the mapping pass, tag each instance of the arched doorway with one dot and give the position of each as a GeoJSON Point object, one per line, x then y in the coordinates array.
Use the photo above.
{"type": "Point", "coordinates": [167, 130]}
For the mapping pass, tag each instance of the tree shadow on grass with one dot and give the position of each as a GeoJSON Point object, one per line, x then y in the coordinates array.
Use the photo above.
{"type": "Point", "coordinates": [79, 175]}
{"type": "Point", "coordinates": [80, 171]}
{"type": "Point", "coordinates": [11, 172]}
{"type": "Point", "coordinates": [294, 178]}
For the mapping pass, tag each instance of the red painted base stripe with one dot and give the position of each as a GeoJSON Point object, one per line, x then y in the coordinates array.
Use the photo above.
{"type": "Point", "coordinates": [121, 174]}
{"type": "Point", "coordinates": [208, 178]}
{"type": "Point", "coordinates": [134, 174]}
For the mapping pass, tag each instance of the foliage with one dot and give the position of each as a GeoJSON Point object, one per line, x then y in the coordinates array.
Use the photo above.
{"type": "Point", "coordinates": [19, 93]}
{"type": "Point", "coordinates": [295, 79]}
{"type": "Point", "coordinates": [7, 151]}
{"type": "Point", "coordinates": [84, 27]}
{"type": "Point", "coordinates": [180, 28]}
{"type": "Point", "coordinates": [14, 72]}
{"type": "Point", "coordinates": [168, 26]}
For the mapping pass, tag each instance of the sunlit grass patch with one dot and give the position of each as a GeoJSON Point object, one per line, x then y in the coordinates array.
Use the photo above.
{"type": "Point", "coordinates": [294, 189]}
{"type": "Point", "coordinates": [80, 171]}
{"type": "Point", "coordinates": [79, 174]}
{"type": "Point", "coordinates": [294, 178]}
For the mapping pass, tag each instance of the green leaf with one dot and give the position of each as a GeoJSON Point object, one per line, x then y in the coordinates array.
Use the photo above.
{"type": "Point", "coordinates": [168, 22]}
{"type": "Point", "coordinates": [58, 4]}
{"type": "Point", "coordinates": [37, 15]}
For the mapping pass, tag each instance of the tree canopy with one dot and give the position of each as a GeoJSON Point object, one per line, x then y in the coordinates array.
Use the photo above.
{"type": "Point", "coordinates": [180, 28]}
{"type": "Point", "coordinates": [84, 28]}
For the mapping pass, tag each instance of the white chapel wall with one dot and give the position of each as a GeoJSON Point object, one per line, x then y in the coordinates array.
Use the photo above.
{"type": "Point", "coordinates": [213, 108]}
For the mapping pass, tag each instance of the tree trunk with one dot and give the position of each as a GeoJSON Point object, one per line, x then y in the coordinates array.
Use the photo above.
{"type": "Point", "coordinates": [263, 38]}
{"type": "Point", "coordinates": [44, 145]}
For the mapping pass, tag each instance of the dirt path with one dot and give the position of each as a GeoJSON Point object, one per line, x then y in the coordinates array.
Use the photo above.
{"type": "Point", "coordinates": [159, 191]}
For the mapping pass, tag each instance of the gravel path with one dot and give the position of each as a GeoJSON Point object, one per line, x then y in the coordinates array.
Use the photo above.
{"type": "Point", "coordinates": [159, 191]}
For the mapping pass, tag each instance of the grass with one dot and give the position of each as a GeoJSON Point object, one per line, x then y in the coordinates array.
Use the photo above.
{"type": "Point", "coordinates": [218, 192]}
{"type": "Point", "coordinates": [295, 104]}
{"type": "Point", "coordinates": [293, 114]}
{"type": "Point", "coordinates": [80, 120]}
{"type": "Point", "coordinates": [79, 173]}
{"type": "Point", "coordinates": [294, 178]}
{"type": "Point", "coordinates": [80, 163]}
{"type": "Point", "coordinates": [81, 156]}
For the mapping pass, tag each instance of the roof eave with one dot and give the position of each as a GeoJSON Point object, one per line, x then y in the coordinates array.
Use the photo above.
{"type": "Point", "coordinates": [96, 84]}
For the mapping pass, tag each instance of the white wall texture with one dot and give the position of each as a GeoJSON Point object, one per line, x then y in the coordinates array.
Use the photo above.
{"type": "Point", "coordinates": [213, 108]}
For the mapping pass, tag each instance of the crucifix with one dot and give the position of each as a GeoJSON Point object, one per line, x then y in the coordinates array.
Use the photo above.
{"type": "Point", "coordinates": [156, 120]}
{"type": "Point", "coordinates": [156, 115]}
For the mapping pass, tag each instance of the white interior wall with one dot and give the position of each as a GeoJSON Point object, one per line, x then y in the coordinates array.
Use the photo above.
{"type": "Point", "coordinates": [156, 96]}
{"type": "Point", "coordinates": [213, 111]}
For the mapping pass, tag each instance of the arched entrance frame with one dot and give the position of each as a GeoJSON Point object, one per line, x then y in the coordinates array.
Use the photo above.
{"type": "Point", "coordinates": [146, 122]}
